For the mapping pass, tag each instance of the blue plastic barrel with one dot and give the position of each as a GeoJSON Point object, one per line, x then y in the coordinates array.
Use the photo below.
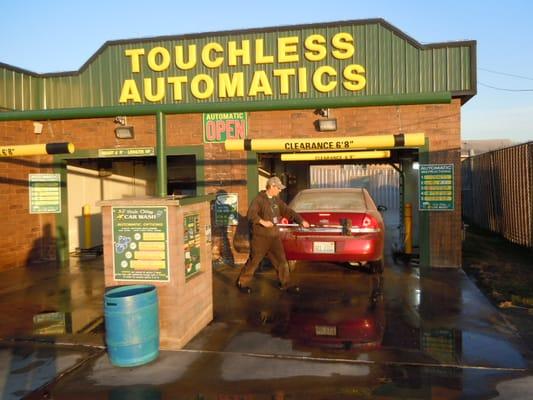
{"type": "Point", "coordinates": [132, 325]}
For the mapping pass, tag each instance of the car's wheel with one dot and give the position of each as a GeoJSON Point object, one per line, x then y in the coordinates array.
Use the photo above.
{"type": "Point", "coordinates": [292, 265]}
{"type": "Point", "coordinates": [375, 267]}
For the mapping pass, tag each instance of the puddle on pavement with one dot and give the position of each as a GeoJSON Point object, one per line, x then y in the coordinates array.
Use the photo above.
{"type": "Point", "coordinates": [346, 335]}
{"type": "Point", "coordinates": [345, 314]}
{"type": "Point", "coordinates": [50, 323]}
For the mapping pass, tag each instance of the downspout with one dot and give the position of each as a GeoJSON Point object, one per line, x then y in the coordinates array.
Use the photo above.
{"type": "Point", "coordinates": [161, 153]}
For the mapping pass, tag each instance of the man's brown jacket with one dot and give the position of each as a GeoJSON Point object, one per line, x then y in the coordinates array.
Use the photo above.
{"type": "Point", "coordinates": [261, 209]}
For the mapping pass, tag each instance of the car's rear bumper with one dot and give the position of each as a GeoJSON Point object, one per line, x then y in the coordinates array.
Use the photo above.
{"type": "Point", "coordinates": [367, 247]}
{"type": "Point", "coordinates": [351, 333]}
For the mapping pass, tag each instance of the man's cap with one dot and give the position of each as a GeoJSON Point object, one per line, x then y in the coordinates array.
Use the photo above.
{"type": "Point", "coordinates": [275, 181]}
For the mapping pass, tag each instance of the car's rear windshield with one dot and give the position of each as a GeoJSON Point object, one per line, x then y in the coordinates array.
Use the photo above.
{"type": "Point", "coordinates": [329, 201]}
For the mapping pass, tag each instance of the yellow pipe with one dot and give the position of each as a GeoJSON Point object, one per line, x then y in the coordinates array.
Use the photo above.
{"type": "Point", "coordinates": [408, 224]}
{"type": "Point", "coordinates": [36, 149]}
{"type": "Point", "coordinates": [341, 155]}
{"type": "Point", "coordinates": [87, 225]}
{"type": "Point", "coordinates": [327, 144]}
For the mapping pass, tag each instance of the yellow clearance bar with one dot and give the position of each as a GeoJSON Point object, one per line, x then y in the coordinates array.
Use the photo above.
{"type": "Point", "coordinates": [342, 155]}
{"type": "Point", "coordinates": [327, 144]}
{"type": "Point", "coordinates": [36, 149]}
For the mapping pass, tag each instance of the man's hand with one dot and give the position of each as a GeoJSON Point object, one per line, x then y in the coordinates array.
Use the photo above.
{"type": "Point", "coordinates": [266, 224]}
{"type": "Point", "coordinates": [305, 224]}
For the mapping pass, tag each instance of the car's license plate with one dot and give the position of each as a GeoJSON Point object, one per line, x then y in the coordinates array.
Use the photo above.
{"type": "Point", "coordinates": [324, 247]}
{"type": "Point", "coordinates": [325, 330]}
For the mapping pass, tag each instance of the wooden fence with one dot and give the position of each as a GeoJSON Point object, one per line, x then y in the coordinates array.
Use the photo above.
{"type": "Point", "coordinates": [497, 189]}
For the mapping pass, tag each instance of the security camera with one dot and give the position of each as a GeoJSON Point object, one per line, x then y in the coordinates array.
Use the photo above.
{"type": "Point", "coordinates": [120, 120]}
{"type": "Point", "coordinates": [323, 112]}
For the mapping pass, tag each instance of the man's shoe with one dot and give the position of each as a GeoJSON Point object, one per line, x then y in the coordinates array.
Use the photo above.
{"type": "Point", "coordinates": [290, 289]}
{"type": "Point", "coordinates": [243, 289]}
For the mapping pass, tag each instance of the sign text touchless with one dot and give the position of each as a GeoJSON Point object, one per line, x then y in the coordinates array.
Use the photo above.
{"type": "Point", "coordinates": [274, 65]}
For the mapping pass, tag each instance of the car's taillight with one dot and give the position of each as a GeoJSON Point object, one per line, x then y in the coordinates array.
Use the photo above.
{"type": "Point", "coordinates": [367, 324]}
{"type": "Point", "coordinates": [368, 225]}
{"type": "Point", "coordinates": [369, 222]}
{"type": "Point", "coordinates": [361, 325]}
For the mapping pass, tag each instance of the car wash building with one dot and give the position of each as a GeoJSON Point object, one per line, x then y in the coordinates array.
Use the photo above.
{"type": "Point", "coordinates": [218, 113]}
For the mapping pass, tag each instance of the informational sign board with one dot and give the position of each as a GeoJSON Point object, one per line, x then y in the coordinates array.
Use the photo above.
{"type": "Point", "coordinates": [221, 126]}
{"type": "Point", "coordinates": [436, 187]}
{"type": "Point", "coordinates": [191, 246]}
{"type": "Point", "coordinates": [45, 193]}
{"type": "Point", "coordinates": [140, 243]}
{"type": "Point", "coordinates": [127, 152]}
{"type": "Point", "coordinates": [226, 209]}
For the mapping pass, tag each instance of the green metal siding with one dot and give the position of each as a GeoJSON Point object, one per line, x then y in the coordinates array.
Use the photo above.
{"type": "Point", "coordinates": [18, 90]}
{"type": "Point", "coordinates": [395, 65]}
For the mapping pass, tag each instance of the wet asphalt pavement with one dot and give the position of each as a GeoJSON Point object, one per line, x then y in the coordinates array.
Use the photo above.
{"type": "Point", "coordinates": [413, 333]}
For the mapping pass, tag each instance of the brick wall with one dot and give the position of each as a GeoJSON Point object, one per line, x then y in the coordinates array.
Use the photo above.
{"type": "Point", "coordinates": [25, 237]}
{"type": "Point", "coordinates": [440, 123]}
{"type": "Point", "coordinates": [185, 303]}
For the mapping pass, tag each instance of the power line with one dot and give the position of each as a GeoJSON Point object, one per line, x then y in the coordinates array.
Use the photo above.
{"type": "Point", "coordinates": [504, 89]}
{"type": "Point", "coordinates": [506, 74]}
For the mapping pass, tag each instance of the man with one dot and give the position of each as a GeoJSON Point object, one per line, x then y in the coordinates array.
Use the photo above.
{"type": "Point", "coordinates": [265, 213]}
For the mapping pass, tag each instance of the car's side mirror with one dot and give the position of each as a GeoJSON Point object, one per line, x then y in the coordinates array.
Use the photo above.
{"type": "Point", "coordinates": [382, 208]}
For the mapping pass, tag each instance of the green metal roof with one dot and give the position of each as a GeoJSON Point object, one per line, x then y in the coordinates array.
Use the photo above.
{"type": "Point", "coordinates": [394, 65]}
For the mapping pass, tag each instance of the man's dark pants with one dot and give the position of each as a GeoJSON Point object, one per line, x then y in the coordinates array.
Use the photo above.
{"type": "Point", "coordinates": [272, 248]}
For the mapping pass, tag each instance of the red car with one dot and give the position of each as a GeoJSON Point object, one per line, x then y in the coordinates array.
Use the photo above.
{"type": "Point", "coordinates": [350, 321]}
{"type": "Point", "coordinates": [346, 226]}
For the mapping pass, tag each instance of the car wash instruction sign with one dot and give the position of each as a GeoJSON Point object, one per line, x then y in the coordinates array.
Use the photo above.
{"type": "Point", "coordinates": [140, 243]}
{"type": "Point", "coordinates": [191, 245]}
{"type": "Point", "coordinates": [436, 187]}
{"type": "Point", "coordinates": [45, 193]}
{"type": "Point", "coordinates": [226, 209]}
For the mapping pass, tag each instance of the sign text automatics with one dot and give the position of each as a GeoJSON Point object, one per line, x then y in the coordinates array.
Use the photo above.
{"type": "Point", "coordinates": [243, 68]}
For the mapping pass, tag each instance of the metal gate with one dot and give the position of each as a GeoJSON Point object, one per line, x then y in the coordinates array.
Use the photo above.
{"type": "Point", "coordinates": [381, 181]}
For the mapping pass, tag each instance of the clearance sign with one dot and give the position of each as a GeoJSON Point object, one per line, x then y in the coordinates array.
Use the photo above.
{"type": "Point", "coordinates": [272, 65]}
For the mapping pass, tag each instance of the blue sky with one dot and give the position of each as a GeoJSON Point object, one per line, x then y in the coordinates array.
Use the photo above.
{"type": "Point", "coordinates": [57, 35]}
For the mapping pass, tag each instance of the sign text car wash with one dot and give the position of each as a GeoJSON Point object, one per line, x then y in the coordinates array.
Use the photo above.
{"type": "Point", "coordinates": [291, 65]}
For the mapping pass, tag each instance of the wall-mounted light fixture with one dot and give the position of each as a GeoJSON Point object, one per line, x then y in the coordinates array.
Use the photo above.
{"type": "Point", "coordinates": [123, 131]}
{"type": "Point", "coordinates": [325, 124]}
